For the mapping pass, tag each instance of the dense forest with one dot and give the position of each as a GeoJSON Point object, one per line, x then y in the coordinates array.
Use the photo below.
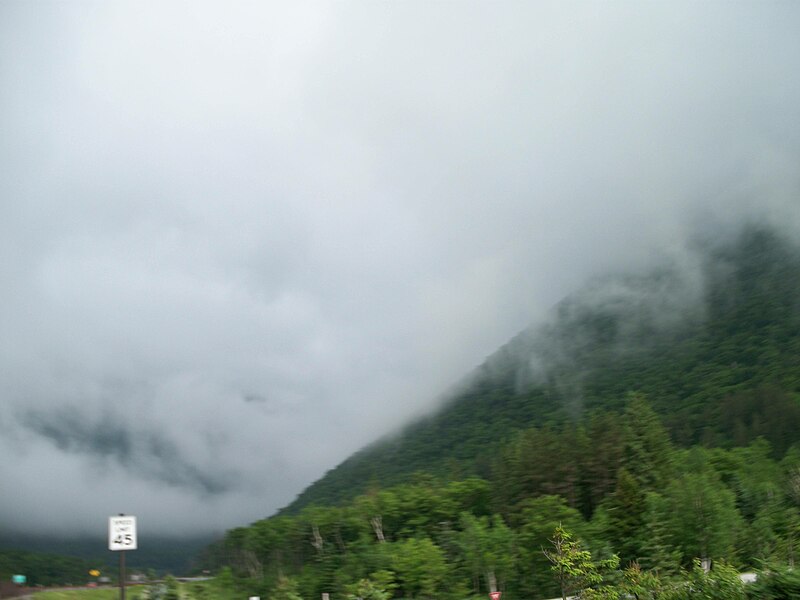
{"type": "Point", "coordinates": [45, 569]}
{"type": "Point", "coordinates": [615, 482]}
{"type": "Point", "coordinates": [652, 424]}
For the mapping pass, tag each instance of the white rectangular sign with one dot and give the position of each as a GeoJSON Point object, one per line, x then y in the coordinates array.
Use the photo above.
{"type": "Point", "coordinates": [122, 533]}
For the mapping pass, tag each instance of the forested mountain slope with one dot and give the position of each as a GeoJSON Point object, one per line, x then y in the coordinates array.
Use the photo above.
{"type": "Point", "coordinates": [712, 341]}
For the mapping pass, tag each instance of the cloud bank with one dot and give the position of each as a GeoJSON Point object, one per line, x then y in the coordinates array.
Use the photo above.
{"type": "Point", "coordinates": [239, 242]}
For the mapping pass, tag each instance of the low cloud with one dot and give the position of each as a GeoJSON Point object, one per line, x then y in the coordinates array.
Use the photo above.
{"type": "Point", "coordinates": [239, 243]}
{"type": "Point", "coordinates": [144, 454]}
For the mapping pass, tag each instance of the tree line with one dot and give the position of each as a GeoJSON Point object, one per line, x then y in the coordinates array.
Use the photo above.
{"type": "Point", "coordinates": [44, 569]}
{"type": "Point", "coordinates": [638, 507]}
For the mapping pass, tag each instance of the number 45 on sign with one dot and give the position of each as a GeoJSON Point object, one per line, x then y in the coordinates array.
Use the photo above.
{"type": "Point", "coordinates": [122, 533]}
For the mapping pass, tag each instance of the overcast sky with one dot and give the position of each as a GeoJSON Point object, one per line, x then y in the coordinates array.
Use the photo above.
{"type": "Point", "coordinates": [242, 240]}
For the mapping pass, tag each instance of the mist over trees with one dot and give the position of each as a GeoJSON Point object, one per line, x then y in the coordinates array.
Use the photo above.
{"type": "Point", "coordinates": [712, 341]}
{"type": "Point", "coordinates": [648, 442]}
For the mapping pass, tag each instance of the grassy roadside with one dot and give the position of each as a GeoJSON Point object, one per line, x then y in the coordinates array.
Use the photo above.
{"type": "Point", "coordinates": [137, 592]}
{"type": "Point", "coordinates": [131, 593]}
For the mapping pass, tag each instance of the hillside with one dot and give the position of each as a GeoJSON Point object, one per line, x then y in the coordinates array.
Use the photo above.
{"type": "Point", "coordinates": [712, 342]}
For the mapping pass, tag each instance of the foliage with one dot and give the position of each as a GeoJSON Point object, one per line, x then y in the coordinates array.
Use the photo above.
{"type": "Point", "coordinates": [224, 583]}
{"type": "Point", "coordinates": [575, 571]}
{"type": "Point", "coordinates": [437, 538]}
{"type": "Point", "coordinates": [537, 521]}
{"type": "Point", "coordinates": [775, 582]}
{"type": "Point", "coordinates": [44, 569]}
{"type": "Point", "coordinates": [703, 517]}
{"type": "Point", "coordinates": [640, 584]}
{"type": "Point", "coordinates": [647, 448]}
{"type": "Point", "coordinates": [626, 517]}
{"type": "Point", "coordinates": [171, 588]}
{"type": "Point", "coordinates": [657, 553]}
{"type": "Point", "coordinates": [285, 589]}
{"type": "Point", "coordinates": [420, 566]}
{"type": "Point", "coordinates": [367, 589]}
{"type": "Point", "coordinates": [720, 583]}
{"type": "Point", "coordinates": [487, 546]}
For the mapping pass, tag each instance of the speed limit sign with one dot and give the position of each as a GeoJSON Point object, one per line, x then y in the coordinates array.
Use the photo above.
{"type": "Point", "coordinates": [122, 533]}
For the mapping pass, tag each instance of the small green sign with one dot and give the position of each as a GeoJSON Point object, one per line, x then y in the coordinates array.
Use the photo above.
{"type": "Point", "coordinates": [19, 579]}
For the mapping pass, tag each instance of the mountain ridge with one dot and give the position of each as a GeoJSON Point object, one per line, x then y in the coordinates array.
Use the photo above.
{"type": "Point", "coordinates": [723, 330]}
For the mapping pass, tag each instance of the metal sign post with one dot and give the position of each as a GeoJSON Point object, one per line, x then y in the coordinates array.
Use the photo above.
{"type": "Point", "coordinates": [122, 537]}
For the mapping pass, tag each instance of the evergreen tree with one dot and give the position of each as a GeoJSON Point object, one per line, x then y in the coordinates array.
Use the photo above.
{"type": "Point", "coordinates": [626, 509]}
{"type": "Point", "coordinates": [601, 454]}
{"type": "Point", "coordinates": [657, 554]}
{"type": "Point", "coordinates": [421, 567]}
{"type": "Point", "coordinates": [537, 521]}
{"type": "Point", "coordinates": [647, 448]}
{"type": "Point", "coordinates": [703, 517]}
